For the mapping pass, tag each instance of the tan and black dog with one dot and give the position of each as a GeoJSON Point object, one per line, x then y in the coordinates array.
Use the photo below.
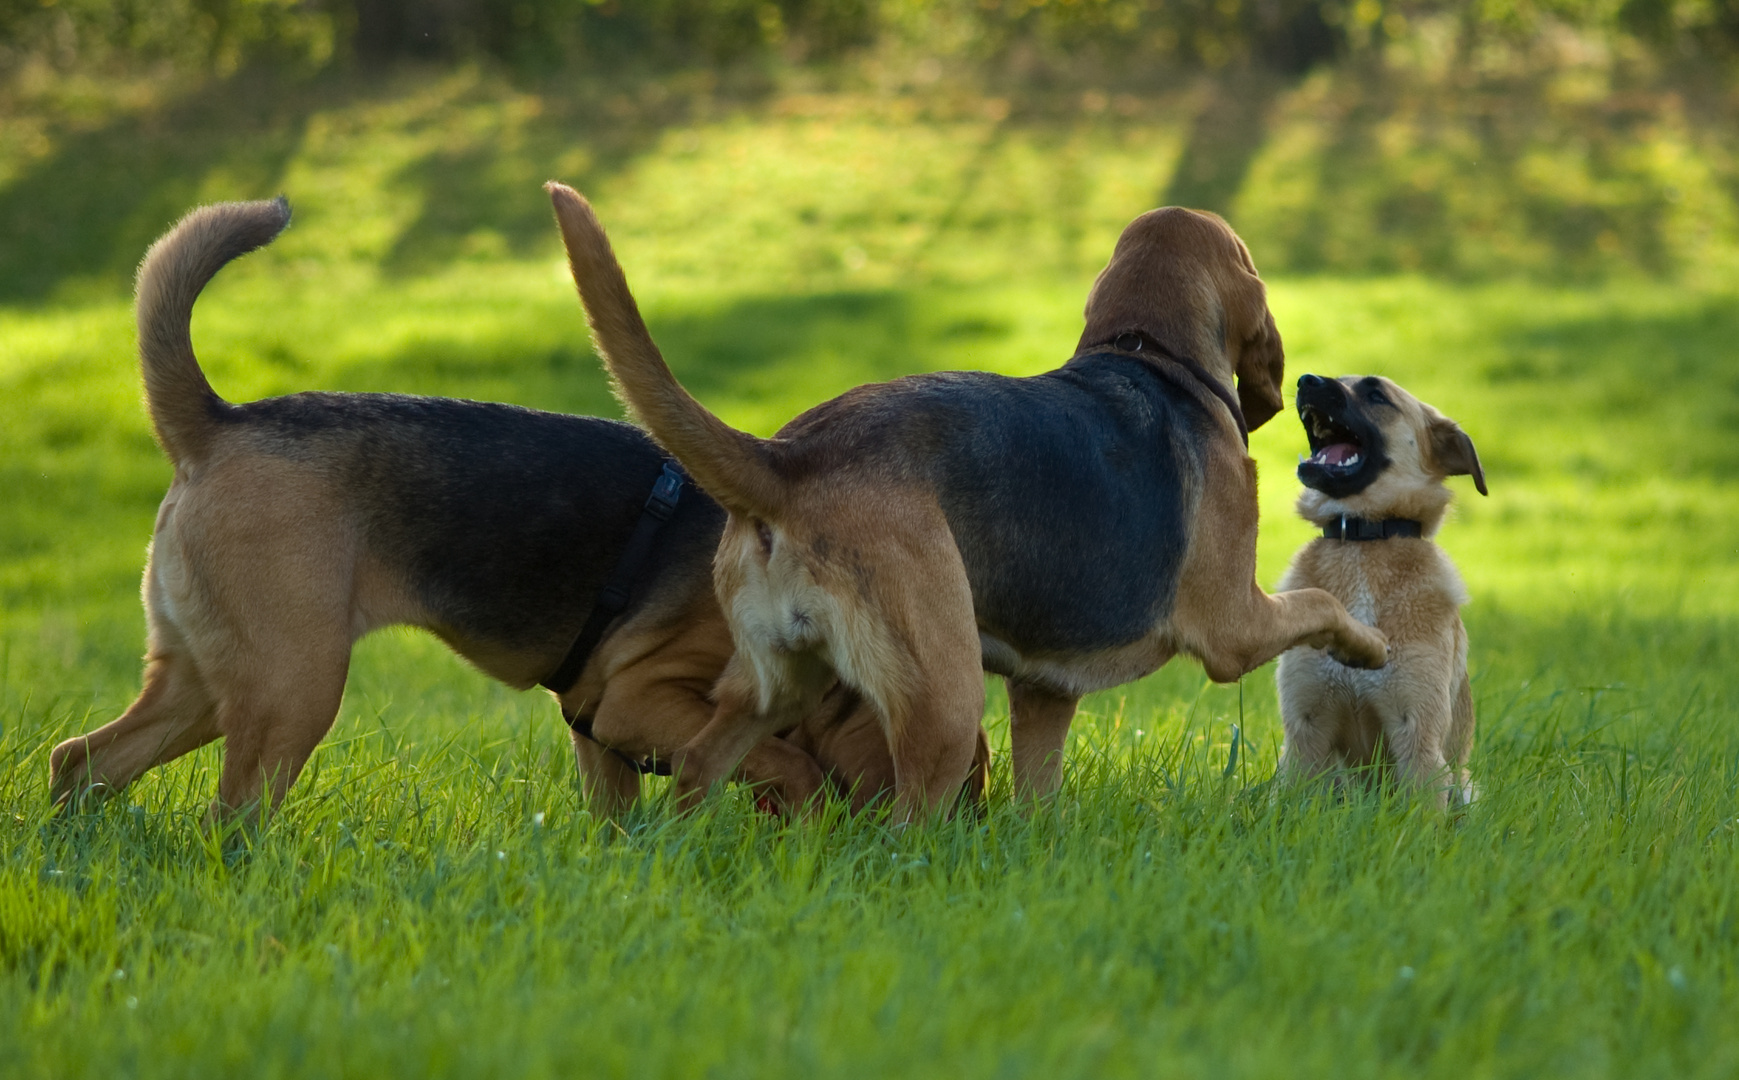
{"type": "Point", "coordinates": [1374, 484]}
{"type": "Point", "coordinates": [295, 525]}
{"type": "Point", "coordinates": [1069, 531]}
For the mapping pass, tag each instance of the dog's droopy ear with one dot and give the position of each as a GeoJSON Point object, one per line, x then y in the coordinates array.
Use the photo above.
{"type": "Point", "coordinates": [1261, 366]}
{"type": "Point", "coordinates": [1261, 358]}
{"type": "Point", "coordinates": [1453, 451]}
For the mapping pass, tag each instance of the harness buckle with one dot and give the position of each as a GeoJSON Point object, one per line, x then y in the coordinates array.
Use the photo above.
{"type": "Point", "coordinates": [666, 491]}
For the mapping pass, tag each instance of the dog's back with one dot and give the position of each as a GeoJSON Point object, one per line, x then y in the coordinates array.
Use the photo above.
{"type": "Point", "coordinates": [1069, 494]}
{"type": "Point", "coordinates": [504, 522]}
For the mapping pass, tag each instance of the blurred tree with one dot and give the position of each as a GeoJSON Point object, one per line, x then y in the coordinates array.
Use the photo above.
{"type": "Point", "coordinates": [1283, 36]}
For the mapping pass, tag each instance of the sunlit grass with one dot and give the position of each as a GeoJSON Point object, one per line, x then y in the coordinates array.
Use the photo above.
{"type": "Point", "coordinates": [435, 900]}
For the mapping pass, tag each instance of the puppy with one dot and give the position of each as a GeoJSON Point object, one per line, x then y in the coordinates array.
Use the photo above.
{"type": "Point", "coordinates": [298, 524]}
{"type": "Point", "coordinates": [1070, 531]}
{"type": "Point", "coordinates": [1374, 484]}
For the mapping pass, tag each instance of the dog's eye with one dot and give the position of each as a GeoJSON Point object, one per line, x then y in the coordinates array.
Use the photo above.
{"type": "Point", "coordinates": [1375, 397]}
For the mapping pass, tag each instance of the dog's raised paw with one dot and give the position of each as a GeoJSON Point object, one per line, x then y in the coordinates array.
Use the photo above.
{"type": "Point", "coordinates": [1370, 656]}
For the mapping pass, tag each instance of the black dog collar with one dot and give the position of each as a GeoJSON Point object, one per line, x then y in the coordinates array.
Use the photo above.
{"type": "Point", "coordinates": [1358, 528]}
{"type": "Point", "coordinates": [1140, 341]}
{"type": "Point", "coordinates": [613, 600]}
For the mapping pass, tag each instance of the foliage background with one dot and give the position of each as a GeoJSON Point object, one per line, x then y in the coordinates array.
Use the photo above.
{"type": "Point", "coordinates": [1561, 139]}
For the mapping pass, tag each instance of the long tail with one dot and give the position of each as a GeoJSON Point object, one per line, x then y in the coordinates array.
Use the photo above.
{"type": "Point", "coordinates": [184, 408]}
{"type": "Point", "coordinates": [733, 466]}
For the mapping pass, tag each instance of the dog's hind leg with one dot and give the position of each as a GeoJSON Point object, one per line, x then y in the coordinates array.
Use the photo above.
{"type": "Point", "coordinates": [1307, 751]}
{"type": "Point", "coordinates": [1458, 743]}
{"type": "Point", "coordinates": [609, 784]}
{"type": "Point", "coordinates": [917, 655]}
{"type": "Point", "coordinates": [175, 712]}
{"type": "Point", "coordinates": [1039, 720]}
{"type": "Point", "coordinates": [276, 700]}
{"type": "Point", "coordinates": [933, 731]}
{"type": "Point", "coordinates": [1416, 713]}
{"type": "Point", "coordinates": [173, 715]}
{"type": "Point", "coordinates": [1415, 740]}
{"type": "Point", "coordinates": [271, 729]}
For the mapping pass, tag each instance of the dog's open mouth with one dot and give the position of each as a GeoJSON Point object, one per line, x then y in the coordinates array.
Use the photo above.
{"type": "Point", "coordinates": [1332, 444]}
{"type": "Point", "coordinates": [1347, 452]}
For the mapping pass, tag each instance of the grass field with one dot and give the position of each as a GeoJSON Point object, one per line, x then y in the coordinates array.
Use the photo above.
{"type": "Point", "coordinates": [435, 900]}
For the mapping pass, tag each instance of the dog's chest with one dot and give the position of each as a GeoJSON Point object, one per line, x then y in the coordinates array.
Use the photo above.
{"type": "Point", "coordinates": [1359, 598]}
{"type": "Point", "coordinates": [1379, 584]}
{"type": "Point", "coordinates": [1409, 593]}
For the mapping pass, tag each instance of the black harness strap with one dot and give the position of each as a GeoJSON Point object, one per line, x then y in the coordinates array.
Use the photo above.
{"type": "Point", "coordinates": [613, 600]}
{"type": "Point", "coordinates": [1346, 527]}
{"type": "Point", "coordinates": [1140, 341]}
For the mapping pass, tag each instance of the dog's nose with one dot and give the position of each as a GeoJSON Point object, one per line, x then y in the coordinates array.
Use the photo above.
{"type": "Point", "coordinates": [1307, 381]}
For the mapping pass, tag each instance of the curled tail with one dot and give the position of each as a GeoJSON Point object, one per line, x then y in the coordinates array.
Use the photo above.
{"type": "Point", "coordinates": [183, 406]}
{"type": "Point", "coordinates": [733, 466]}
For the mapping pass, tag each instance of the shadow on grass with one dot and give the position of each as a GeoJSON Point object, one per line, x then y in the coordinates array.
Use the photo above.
{"type": "Point", "coordinates": [729, 352]}
{"type": "Point", "coordinates": [82, 216]}
{"type": "Point", "coordinates": [564, 377]}
{"type": "Point", "coordinates": [482, 192]}
{"type": "Point", "coordinates": [873, 336]}
{"type": "Point", "coordinates": [1468, 177]}
{"type": "Point", "coordinates": [1224, 139]}
{"type": "Point", "coordinates": [1675, 367]}
{"type": "Point", "coordinates": [1401, 170]}
{"type": "Point", "coordinates": [87, 212]}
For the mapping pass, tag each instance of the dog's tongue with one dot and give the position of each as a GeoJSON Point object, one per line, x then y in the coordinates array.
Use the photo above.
{"type": "Point", "coordinates": [1335, 454]}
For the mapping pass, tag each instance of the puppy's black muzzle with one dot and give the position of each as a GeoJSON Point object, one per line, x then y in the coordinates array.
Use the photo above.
{"type": "Point", "coordinates": [1325, 395]}
{"type": "Point", "coordinates": [1346, 443]}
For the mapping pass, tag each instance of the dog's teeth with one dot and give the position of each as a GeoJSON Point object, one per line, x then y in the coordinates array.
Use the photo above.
{"type": "Point", "coordinates": [1351, 461]}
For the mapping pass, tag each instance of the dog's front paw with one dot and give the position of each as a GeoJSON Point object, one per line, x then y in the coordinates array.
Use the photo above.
{"type": "Point", "coordinates": [1367, 650]}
